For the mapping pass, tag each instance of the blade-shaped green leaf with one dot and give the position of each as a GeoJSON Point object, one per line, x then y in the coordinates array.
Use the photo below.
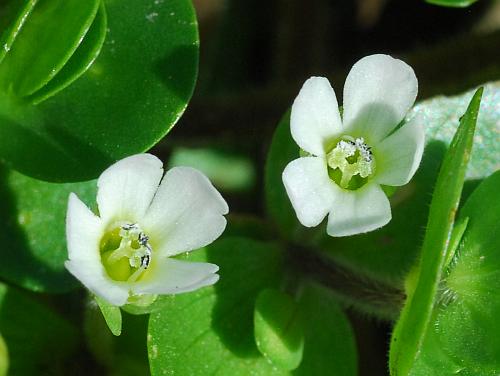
{"type": "Point", "coordinates": [411, 327]}
{"type": "Point", "coordinates": [13, 14]}
{"type": "Point", "coordinates": [279, 334]}
{"type": "Point", "coordinates": [45, 43]}
{"type": "Point", "coordinates": [124, 103]}
{"type": "Point", "coordinates": [112, 315]}
{"type": "Point", "coordinates": [78, 63]}
{"type": "Point", "coordinates": [33, 230]}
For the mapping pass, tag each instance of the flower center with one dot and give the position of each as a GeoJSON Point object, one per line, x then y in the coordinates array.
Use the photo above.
{"type": "Point", "coordinates": [350, 163]}
{"type": "Point", "coordinates": [125, 252]}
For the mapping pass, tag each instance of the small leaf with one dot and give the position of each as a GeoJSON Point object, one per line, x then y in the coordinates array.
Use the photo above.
{"type": "Point", "coordinates": [112, 315]}
{"type": "Point", "coordinates": [210, 331]}
{"type": "Point", "coordinates": [45, 43]}
{"type": "Point", "coordinates": [452, 3]}
{"type": "Point", "coordinates": [278, 329]}
{"type": "Point", "coordinates": [13, 14]}
{"type": "Point", "coordinates": [81, 59]}
{"type": "Point", "coordinates": [4, 357]}
{"type": "Point", "coordinates": [329, 346]}
{"type": "Point", "coordinates": [412, 325]}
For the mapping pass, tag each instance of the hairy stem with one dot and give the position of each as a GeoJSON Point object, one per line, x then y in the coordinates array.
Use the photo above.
{"type": "Point", "coordinates": [370, 296]}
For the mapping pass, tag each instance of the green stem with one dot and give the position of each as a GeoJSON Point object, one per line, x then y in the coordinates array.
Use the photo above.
{"type": "Point", "coordinates": [370, 296]}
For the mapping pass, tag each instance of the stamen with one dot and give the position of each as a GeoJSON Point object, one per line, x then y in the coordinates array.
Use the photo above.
{"type": "Point", "coordinates": [134, 247]}
{"type": "Point", "coordinates": [349, 158]}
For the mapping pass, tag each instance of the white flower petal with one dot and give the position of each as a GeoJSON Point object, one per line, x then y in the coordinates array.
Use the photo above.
{"type": "Point", "coordinates": [315, 116]}
{"type": "Point", "coordinates": [359, 211]}
{"type": "Point", "coordinates": [309, 188]}
{"type": "Point", "coordinates": [399, 155]}
{"type": "Point", "coordinates": [378, 93]}
{"type": "Point", "coordinates": [84, 231]}
{"type": "Point", "coordinates": [186, 213]}
{"type": "Point", "coordinates": [170, 276]}
{"type": "Point", "coordinates": [125, 189]}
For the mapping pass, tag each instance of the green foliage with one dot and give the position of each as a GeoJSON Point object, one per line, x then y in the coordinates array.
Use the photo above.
{"type": "Point", "coordinates": [38, 339]}
{"type": "Point", "coordinates": [125, 355]}
{"type": "Point", "coordinates": [227, 171]}
{"type": "Point", "coordinates": [45, 43]}
{"type": "Point", "coordinates": [279, 334]}
{"type": "Point", "coordinates": [415, 318]}
{"type": "Point", "coordinates": [464, 333]}
{"type": "Point", "coordinates": [33, 231]}
{"type": "Point", "coordinates": [4, 357]}
{"type": "Point", "coordinates": [210, 331]}
{"type": "Point", "coordinates": [122, 104]}
{"type": "Point", "coordinates": [329, 346]}
{"type": "Point", "coordinates": [452, 3]}
{"type": "Point", "coordinates": [112, 315]}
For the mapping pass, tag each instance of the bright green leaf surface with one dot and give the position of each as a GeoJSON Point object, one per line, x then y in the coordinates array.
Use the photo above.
{"type": "Point", "coordinates": [33, 230]}
{"type": "Point", "coordinates": [45, 43]}
{"type": "Point", "coordinates": [13, 14]}
{"type": "Point", "coordinates": [329, 347]}
{"type": "Point", "coordinates": [411, 327]}
{"type": "Point", "coordinates": [210, 331]}
{"type": "Point", "coordinates": [464, 335]}
{"type": "Point", "coordinates": [468, 326]}
{"type": "Point", "coordinates": [4, 357]}
{"type": "Point", "coordinates": [279, 334]}
{"type": "Point", "coordinates": [82, 58]}
{"type": "Point", "coordinates": [112, 315]}
{"type": "Point", "coordinates": [227, 171]}
{"type": "Point", "coordinates": [452, 3]}
{"type": "Point", "coordinates": [128, 99]}
{"type": "Point", "coordinates": [38, 339]}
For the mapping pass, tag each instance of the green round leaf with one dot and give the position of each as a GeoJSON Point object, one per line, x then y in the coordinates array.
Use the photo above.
{"type": "Point", "coordinates": [279, 334]}
{"type": "Point", "coordinates": [330, 347]}
{"type": "Point", "coordinates": [126, 101]}
{"type": "Point", "coordinates": [33, 230]}
{"type": "Point", "coordinates": [210, 331]}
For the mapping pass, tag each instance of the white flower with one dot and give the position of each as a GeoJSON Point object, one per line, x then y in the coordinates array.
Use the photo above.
{"type": "Point", "coordinates": [125, 253]}
{"type": "Point", "coordinates": [350, 159]}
